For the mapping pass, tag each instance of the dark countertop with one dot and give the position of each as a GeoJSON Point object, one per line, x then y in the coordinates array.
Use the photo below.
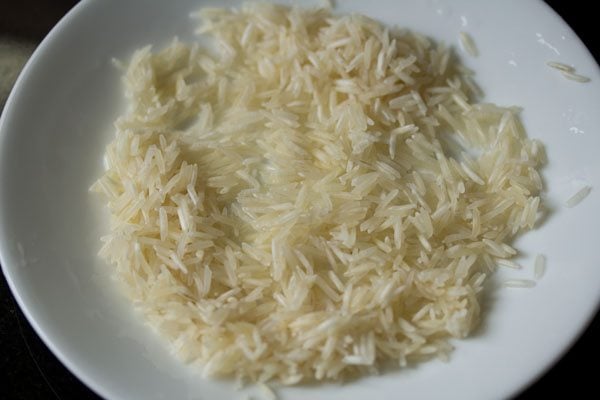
{"type": "Point", "coordinates": [31, 371]}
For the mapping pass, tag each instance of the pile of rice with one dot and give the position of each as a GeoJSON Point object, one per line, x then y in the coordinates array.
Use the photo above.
{"type": "Point", "coordinates": [316, 199]}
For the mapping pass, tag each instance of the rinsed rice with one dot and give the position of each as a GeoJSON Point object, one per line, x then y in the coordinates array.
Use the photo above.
{"type": "Point", "coordinates": [539, 267]}
{"type": "Point", "coordinates": [267, 392]}
{"type": "Point", "coordinates": [567, 71]}
{"type": "Point", "coordinates": [519, 283]}
{"type": "Point", "coordinates": [319, 198]}
{"type": "Point", "coordinates": [575, 77]}
{"type": "Point", "coordinates": [560, 66]}
{"type": "Point", "coordinates": [468, 44]}
{"type": "Point", "coordinates": [578, 197]}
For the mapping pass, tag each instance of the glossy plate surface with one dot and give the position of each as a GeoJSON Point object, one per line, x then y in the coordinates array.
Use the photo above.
{"type": "Point", "coordinates": [58, 120]}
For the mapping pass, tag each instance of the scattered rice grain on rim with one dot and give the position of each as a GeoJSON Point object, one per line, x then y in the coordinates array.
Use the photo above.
{"type": "Point", "coordinates": [287, 210]}
{"type": "Point", "coordinates": [539, 267]}
{"type": "Point", "coordinates": [468, 44]}
{"type": "Point", "coordinates": [560, 66]}
{"type": "Point", "coordinates": [575, 77]}
{"type": "Point", "coordinates": [578, 197]}
{"type": "Point", "coordinates": [519, 283]}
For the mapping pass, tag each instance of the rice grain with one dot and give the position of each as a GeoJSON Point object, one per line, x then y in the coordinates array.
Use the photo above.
{"type": "Point", "coordinates": [302, 205]}
{"type": "Point", "coordinates": [578, 196]}
{"type": "Point", "coordinates": [468, 44]}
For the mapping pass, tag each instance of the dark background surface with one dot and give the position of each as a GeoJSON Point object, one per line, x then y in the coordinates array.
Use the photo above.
{"type": "Point", "coordinates": [30, 371]}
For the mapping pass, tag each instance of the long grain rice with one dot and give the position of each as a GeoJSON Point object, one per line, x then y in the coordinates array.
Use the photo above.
{"type": "Point", "coordinates": [519, 283]}
{"type": "Point", "coordinates": [560, 66]}
{"type": "Point", "coordinates": [468, 44]}
{"type": "Point", "coordinates": [288, 210]}
{"type": "Point", "coordinates": [575, 77]}
{"type": "Point", "coordinates": [578, 196]}
{"type": "Point", "coordinates": [539, 267]}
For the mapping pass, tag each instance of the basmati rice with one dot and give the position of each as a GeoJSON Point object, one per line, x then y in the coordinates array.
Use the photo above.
{"type": "Point", "coordinates": [508, 263]}
{"type": "Point", "coordinates": [575, 77]}
{"type": "Point", "coordinates": [519, 283]}
{"type": "Point", "coordinates": [289, 209]}
{"type": "Point", "coordinates": [468, 44]}
{"type": "Point", "coordinates": [560, 66]}
{"type": "Point", "coordinates": [567, 71]}
{"type": "Point", "coordinates": [268, 393]}
{"type": "Point", "coordinates": [578, 197]}
{"type": "Point", "coordinates": [539, 267]}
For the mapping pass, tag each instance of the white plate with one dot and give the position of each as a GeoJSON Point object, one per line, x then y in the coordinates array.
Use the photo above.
{"type": "Point", "coordinates": [58, 120]}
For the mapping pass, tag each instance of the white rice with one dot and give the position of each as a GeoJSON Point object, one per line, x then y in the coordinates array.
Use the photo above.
{"type": "Point", "coordinates": [267, 392]}
{"type": "Point", "coordinates": [560, 66]}
{"type": "Point", "coordinates": [567, 71]}
{"type": "Point", "coordinates": [539, 267]}
{"type": "Point", "coordinates": [285, 210]}
{"type": "Point", "coordinates": [508, 263]}
{"type": "Point", "coordinates": [468, 44]}
{"type": "Point", "coordinates": [578, 197]}
{"type": "Point", "coordinates": [519, 283]}
{"type": "Point", "coordinates": [575, 77]}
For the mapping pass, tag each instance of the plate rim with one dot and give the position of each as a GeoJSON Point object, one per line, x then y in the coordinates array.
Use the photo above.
{"type": "Point", "coordinates": [8, 262]}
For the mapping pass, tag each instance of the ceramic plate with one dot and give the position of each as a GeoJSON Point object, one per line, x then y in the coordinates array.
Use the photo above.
{"type": "Point", "coordinates": [58, 120]}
